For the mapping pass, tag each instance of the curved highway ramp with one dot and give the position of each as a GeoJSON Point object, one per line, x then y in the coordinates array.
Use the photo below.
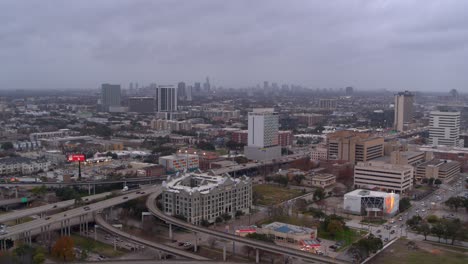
{"type": "Point", "coordinates": [174, 251]}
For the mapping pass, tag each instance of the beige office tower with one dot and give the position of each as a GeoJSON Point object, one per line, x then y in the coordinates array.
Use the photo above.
{"type": "Point", "coordinates": [403, 110]}
{"type": "Point", "coordinates": [354, 146]}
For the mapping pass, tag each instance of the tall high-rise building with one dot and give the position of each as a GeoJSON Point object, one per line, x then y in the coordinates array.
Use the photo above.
{"type": "Point", "coordinates": [181, 94]}
{"type": "Point", "coordinates": [262, 142]}
{"type": "Point", "coordinates": [141, 104]}
{"type": "Point", "coordinates": [444, 129]}
{"type": "Point", "coordinates": [166, 98]}
{"type": "Point", "coordinates": [207, 85]}
{"type": "Point", "coordinates": [197, 87]}
{"type": "Point", "coordinates": [110, 96]}
{"type": "Point", "coordinates": [188, 93]}
{"type": "Point", "coordinates": [403, 110]}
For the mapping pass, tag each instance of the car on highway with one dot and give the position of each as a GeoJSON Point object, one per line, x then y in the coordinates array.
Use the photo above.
{"type": "Point", "coordinates": [86, 208]}
{"type": "Point", "coordinates": [125, 197]}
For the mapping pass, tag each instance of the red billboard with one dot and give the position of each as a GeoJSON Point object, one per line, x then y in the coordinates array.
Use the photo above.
{"type": "Point", "coordinates": [76, 157]}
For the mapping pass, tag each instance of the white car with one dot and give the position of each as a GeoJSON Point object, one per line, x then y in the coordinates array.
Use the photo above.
{"type": "Point", "coordinates": [423, 210]}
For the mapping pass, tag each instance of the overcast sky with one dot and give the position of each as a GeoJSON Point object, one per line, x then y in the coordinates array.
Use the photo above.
{"type": "Point", "coordinates": [373, 44]}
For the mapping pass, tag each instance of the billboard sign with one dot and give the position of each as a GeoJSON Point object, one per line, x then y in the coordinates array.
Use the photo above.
{"type": "Point", "coordinates": [76, 157]}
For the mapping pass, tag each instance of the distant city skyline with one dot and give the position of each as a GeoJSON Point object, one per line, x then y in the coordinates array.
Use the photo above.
{"type": "Point", "coordinates": [369, 45]}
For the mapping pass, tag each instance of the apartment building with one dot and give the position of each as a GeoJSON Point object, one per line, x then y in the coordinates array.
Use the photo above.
{"type": "Point", "coordinates": [354, 146]}
{"type": "Point", "coordinates": [54, 134]}
{"type": "Point", "coordinates": [180, 162]}
{"type": "Point", "coordinates": [199, 196]}
{"type": "Point", "coordinates": [383, 176]}
{"type": "Point", "coordinates": [170, 125]}
{"type": "Point", "coordinates": [22, 165]}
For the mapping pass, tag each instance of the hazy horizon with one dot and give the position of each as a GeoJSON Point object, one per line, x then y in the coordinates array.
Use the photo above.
{"type": "Point", "coordinates": [370, 45]}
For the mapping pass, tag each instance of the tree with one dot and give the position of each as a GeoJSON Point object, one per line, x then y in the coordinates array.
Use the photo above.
{"type": "Point", "coordinates": [425, 229]}
{"type": "Point", "coordinates": [455, 202]}
{"type": "Point", "coordinates": [39, 191]}
{"type": "Point", "coordinates": [438, 230]}
{"type": "Point", "coordinates": [239, 213]}
{"type": "Point", "coordinates": [226, 217]}
{"type": "Point", "coordinates": [204, 223]}
{"type": "Point", "coordinates": [241, 160]}
{"type": "Point", "coordinates": [431, 181]}
{"type": "Point", "coordinates": [452, 229]}
{"type": "Point", "coordinates": [414, 221]}
{"type": "Point", "coordinates": [39, 258]}
{"type": "Point", "coordinates": [432, 219]}
{"type": "Point", "coordinates": [404, 204]}
{"type": "Point", "coordinates": [334, 227]}
{"type": "Point", "coordinates": [7, 146]}
{"type": "Point", "coordinates": [204, 145]}
{"type": "Point", "coordinates": [63, 249]}
{"type": "Point", "coordinates": [437, 182]}
{"type": "Point", "coordinates": [218, 220]}
{"type": "Point", "coordinates": [298, 178]}
{"type": "Point", "coordinates": [319, 194]}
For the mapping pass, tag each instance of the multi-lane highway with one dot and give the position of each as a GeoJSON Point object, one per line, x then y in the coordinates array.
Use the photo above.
{"type": "Point", "coordinates": [84, 183]}
{"type": "Point", "coordinates": [46, 208]}
{"type": "Point", "coordinates": [84, 211]}
{"type": "Point", "coordinates": [174, 251]}
{"type": "Point", "coordinates": [258, 245]}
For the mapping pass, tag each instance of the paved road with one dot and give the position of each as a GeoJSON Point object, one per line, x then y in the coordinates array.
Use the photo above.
{"type": "Point", "coordinates": [49, 207]}
{"type": "Point", "coordinates": [17, 230]}
{"type": "Point", "coordinates": [251, 165]}
{"type": "Point", "coordinates": [139, 261]}
{"type": "Point", "coordinates": [177, 252]}
{"type": "Point", "coordinates": [15, 201]}
{"type": "Point", "coordinates": [151, 205]}
{"type": "Point", "coordinates": [86, 183]}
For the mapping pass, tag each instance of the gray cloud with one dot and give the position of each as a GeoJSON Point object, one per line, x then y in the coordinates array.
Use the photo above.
{"type": "Point", "coordinates": [393, 44]}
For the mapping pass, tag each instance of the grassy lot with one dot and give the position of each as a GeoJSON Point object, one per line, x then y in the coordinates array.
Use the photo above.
{"type": "Point", "coordinates": [348, 236]}
{"type": "Point", "coordinates": [425, 253]}
{"type": "Point", "coordinates": [96, 246]}
{"type": "Point", "coordinates": [273, 194]}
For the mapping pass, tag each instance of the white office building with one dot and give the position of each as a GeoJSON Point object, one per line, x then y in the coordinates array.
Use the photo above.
{"type": "Point", "coordinates": [444, 129]}
{"type": "Point", "coordinates": [199, 196]}
{"type": "Point", "coordinates": [262, 141]}
{"type": "Point", "coordinates": [383, 176]}
{"type": "Point", "coordinates": [371, 203]}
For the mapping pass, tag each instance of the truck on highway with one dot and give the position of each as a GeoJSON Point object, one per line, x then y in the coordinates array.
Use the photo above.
{"type": "Point", "coordinates": [129, 187]}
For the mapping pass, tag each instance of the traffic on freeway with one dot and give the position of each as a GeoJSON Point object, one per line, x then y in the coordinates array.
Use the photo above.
{"type": "Point", "coordinates": [151, 205]}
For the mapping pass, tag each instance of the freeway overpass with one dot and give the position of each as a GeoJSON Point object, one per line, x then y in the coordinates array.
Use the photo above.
{"type": "Point", "coordinates": [174, 251]}
{"type": "Point", "coordinates": [85, 183]}
{"type": "Point", "coordinates": [64, 220]}
{"type": "Point", "coordinates": [40, 210]}
{"type": "Point", "coordinates": [258, 245]}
